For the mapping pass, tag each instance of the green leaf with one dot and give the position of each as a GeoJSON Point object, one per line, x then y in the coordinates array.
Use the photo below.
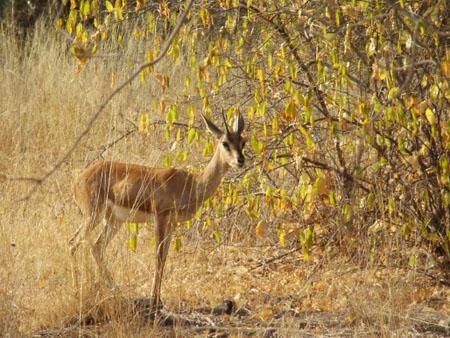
{"type": "Point", "coordinates": [290, 140]}
{"type": "Point", "coordinates": [282, 236]}
{"type": "Point", "coordinates": [275, 124]}
{"type": "Point", "coordinates": [208, 149]}
{"type": "Point", "coordinates": [79, 52]}
{"type": "Point", "coordinates": [290, 112]}
{"type": "Point", "coordinates": [132, 240]}
{"type": "Point", "coordinates": [429, 114]}
{"type": "Point", "coordinates": [309, 140]}
{"type": "Point", "coordinates": [217, 236]}
{"type": "Point", "coordinates": [370, 200]}
{"type": "Point", "coordinates": [393, 93]}
{"type": "Point", "coordinates": [172, 114]}
{"type": "Point", "coordinates": [151, 24]}
{"type": "Point", "coordinates": [177, 244]}
{"type": "Point", "coordinates": [168, 132]}
{"type": "Point", "coordinates": [332, 198]}
{"type": "Point", "coordinates": [144, 121]}
{"type": "Point", "coordinates": [118, 8]}
{"type": "Point", "coordinates": [261, 109]}
{"type": "Point", "coordinates": [181, 156]}
{"type": "Point", "coordinates": [446, 199]}
{"type": "Point", "coordinates": [85, 8]}
{"type": "Point", "coordinates": [168, 161]}
{"type": "Point", "coordinates": [251, 212]}
{"type": "Point", "coordinates": [434, 91]}
{"type": "Point", "coordinates": [346, 212]}
{"type": "Point", "coordinates": [269, 195]}
{"type": "Point", "coordinates": [191, 135]}
{"type": "Point", "coordinates": [256, 145]}
{"type": "Point", "coordinates": [391, 205]}
{"type": "Point", "coordinates": [227, 63]}
{"type": "Point", "coordinates": [261, 76]}
{"type": "Point", "coordinates": [189, 224]}
{"type": "Point", "coordinates": [412, 262]}
{"type": "Point", "coordinates": [307, 238]}
{"type": "Point", "coordinates": [109, 6]}
{"type": "Point", "coordinates": [119, 15]}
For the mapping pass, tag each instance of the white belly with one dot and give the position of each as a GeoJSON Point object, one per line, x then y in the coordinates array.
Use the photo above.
{"type": "Point", "coordinates": [129, 215]}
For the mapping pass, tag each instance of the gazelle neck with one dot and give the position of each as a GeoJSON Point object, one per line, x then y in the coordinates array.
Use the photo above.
{"type": "Point", "coordinates": [211, 176]}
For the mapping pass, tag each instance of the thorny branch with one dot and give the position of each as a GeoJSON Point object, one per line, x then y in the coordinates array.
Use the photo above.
{"type": "Point", "coordinates": [38, 181]}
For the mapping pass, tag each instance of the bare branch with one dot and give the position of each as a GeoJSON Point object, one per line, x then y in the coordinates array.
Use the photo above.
{"type": "Point", "coordinates": [106, 147]}
{"type": "Point", "coordinates": [38, 181]}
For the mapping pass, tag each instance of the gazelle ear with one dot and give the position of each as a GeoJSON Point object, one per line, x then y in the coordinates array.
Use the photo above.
{"type": "Point", "coordinates": [239, 124]}
{"type": "Point", "coordinates": [212, 127]}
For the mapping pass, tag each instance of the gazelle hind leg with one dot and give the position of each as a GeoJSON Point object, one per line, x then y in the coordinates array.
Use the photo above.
{"type": "Point", "coordinates": [99, 248]}
{"type": "Point", "coordinates": [163, 237]}
{"type": "Point", "coordinates": [79, 236]}
{"type": "Point", "coordinates": [93, 218]}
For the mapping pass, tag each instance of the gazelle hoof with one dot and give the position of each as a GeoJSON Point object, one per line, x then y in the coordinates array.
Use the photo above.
{"type": "Point", "coordinates": [143, 306]}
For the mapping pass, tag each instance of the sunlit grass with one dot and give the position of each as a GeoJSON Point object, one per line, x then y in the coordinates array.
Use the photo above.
{"type": "Point", "coordinates": [46, 102]}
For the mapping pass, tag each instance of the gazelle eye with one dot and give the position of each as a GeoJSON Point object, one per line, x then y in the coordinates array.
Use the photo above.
{"type": "Point", "coordinates": [242, 144]}
{"type": "Point", "coordinates": [226, 145]}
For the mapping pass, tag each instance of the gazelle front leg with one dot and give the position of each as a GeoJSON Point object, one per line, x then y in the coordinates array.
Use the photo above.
{"type": "Point", "coordinates": [163, 233]}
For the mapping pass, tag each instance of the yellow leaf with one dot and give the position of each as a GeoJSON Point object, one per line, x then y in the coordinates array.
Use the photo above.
{"type": "Point", "coordinates": [393, 93]}
{"type": "Point", "coordinates": [290, 113]}
{"type": "Point", "coordinates": [79, 52]}
{"type": "Point", "coordinates": [191, 135]}
{"type": "Point", "coordinates": [132, 240]}
{"type": "Point", "coordinates": [208, 149]}
{"type": "Point", "coordinates": [430, 116]}
{"type": "Point", "coordinates": [309, 140]}
{"type": "Point", "coordinates": [118, 7]}
{"type": "Point", "coordinates": [282, 237]}
{"type": "Point", "coordinates": [269, 195]}
{"type": "Point", "coordinates": [144, 121]}
{"type": "Point", "coordinates": [85, 9]}
{"type": "Point", "coordinates": [109, 6]}
{"type": "Point", "coordinates": [445, 66]}
{"type": "Point", "coordinates": [217, 236]}
{"type": "Point", "coordinates": [260, 229]}
{"type": "Point", "coordinates": [321, 185]}
{"type": "Point", "coordinates": [260, 76]}
{"type": "Point", "coordinates": [177, 244]}
{"type": "Point", "coordinates": [139, 4]}
{"type": "Point", "coordinates": [275, 124]}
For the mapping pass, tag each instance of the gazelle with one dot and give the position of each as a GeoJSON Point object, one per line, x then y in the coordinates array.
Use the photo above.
{"type": "Point", "coordinates": [122, 192]}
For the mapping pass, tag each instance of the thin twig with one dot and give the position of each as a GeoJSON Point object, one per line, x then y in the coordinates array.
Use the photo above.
{"type": "Point", "coordinates": [20, 178]}
{"type": "Point", "coordinates": [38, 181]}
{"type": "Point", "coordinates": [114, 142]}
{"type": "Point", "coordinates": [276, 258]}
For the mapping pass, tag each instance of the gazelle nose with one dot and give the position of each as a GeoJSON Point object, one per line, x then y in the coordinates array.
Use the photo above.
{"type": "Point", "coordinates": [241, 161]}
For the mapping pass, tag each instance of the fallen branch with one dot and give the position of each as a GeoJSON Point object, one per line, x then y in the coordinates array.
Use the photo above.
{"type": "Point", "coordinates": [276, 258]}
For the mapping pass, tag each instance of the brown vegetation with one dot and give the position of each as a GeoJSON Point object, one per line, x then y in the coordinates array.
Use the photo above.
{"type": "Point", "coordinates": [359, 284]}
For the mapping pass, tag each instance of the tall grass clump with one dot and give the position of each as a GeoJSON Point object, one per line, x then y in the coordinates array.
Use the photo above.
{"type": "Point", "coordinates": [341, 210]}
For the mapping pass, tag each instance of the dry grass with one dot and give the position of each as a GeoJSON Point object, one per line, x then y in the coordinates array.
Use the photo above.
{"type": "Point", "coordinates": [44, 105]}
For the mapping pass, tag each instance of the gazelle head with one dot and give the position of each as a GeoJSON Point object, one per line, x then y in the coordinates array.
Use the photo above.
{"type": "Point", "coordinates": [231, 142]}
